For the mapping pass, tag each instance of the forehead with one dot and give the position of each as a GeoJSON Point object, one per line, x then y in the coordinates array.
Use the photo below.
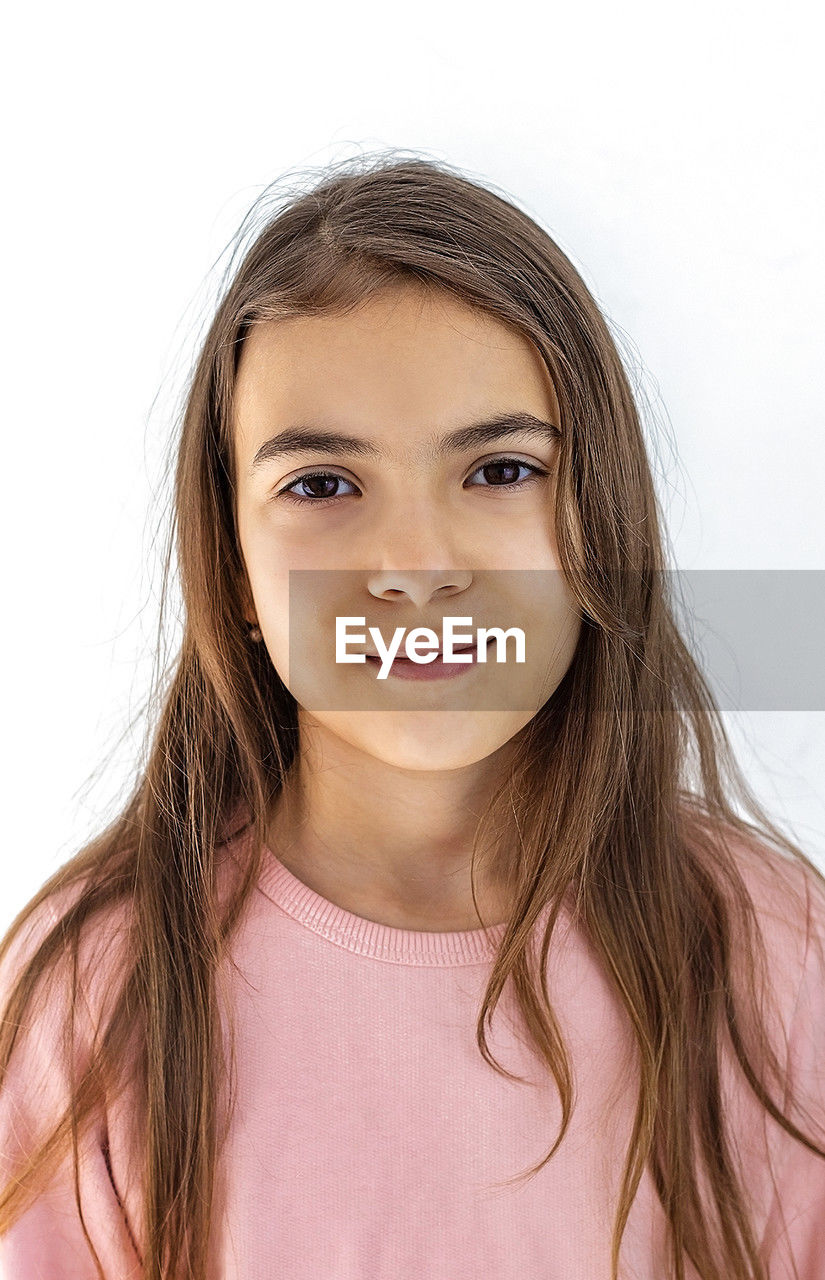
{"type": "Point", "coordinates": [405, 361]}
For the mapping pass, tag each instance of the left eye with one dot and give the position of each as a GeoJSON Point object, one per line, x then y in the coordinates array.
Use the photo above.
{"type": "Point", "coordinates": [507, 464]}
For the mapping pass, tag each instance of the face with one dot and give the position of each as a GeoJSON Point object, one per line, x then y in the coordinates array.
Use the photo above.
{"type": "Point", "coordinates": [396, 531]}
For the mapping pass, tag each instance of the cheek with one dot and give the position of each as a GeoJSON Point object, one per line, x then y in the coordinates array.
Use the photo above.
{"type": "Point", "coordinates": [270, 554]}
{"type": "Point", "coordinates": [527, 539]}
{"type": "Point", "coordinates": [266, 546]}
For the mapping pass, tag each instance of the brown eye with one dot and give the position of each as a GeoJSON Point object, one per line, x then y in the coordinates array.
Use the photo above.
{"type": "Point", "coordinates": [508, 466]}
{"type": "Point", "coordinates": [325, 480]}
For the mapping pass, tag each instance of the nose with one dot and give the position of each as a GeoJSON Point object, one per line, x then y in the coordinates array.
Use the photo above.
{"type": "Point", "coordinates": [417, 552]}
{"type": "Point", "coordinates": [420, 585]}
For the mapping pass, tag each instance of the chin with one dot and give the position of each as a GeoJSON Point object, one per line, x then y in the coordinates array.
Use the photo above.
{"type": "Point", "coordinates": [432, 741]}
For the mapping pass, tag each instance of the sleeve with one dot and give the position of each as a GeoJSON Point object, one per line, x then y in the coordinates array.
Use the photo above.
{"type": "Point", "coordinates": [796, 1229]}
{"type": "Point", "coordinates": [48, 1240]}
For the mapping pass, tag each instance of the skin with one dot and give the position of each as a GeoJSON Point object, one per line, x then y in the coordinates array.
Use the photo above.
{"type": "Point", "coordinates": [379, 810]}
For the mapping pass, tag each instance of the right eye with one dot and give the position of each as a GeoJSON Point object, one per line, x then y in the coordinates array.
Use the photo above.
{"type": "Point", "coordinates": [317, 500]}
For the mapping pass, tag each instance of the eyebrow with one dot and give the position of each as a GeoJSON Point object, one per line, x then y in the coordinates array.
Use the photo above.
{"type": "Point", "coordinates": [306, 439]}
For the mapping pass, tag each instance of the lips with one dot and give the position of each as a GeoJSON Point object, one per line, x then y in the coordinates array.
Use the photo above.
{"type": "Point", "coordinates": [464, 648]}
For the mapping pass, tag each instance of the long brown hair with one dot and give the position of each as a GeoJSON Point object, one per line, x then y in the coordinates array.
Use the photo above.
{"type": "Point", "coordinates": [624, 786]}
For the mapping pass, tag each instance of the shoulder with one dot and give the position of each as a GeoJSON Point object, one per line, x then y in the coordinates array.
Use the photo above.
{"type": "Point", "coordinates": [61, 979]}
{"type": "Point", "coordinates": [788, 898]}
{"type": "Point", "coordinates": [79, 915]}
{"type": "Point", "coordinates": [786, 892]}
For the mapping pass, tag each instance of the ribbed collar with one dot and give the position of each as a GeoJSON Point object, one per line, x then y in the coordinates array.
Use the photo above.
{"type": "Point", "coordinates": [366, 937]}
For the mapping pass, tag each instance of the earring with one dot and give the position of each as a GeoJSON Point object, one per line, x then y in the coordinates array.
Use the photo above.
{"type": "Point", "coordinates": [255, 632]}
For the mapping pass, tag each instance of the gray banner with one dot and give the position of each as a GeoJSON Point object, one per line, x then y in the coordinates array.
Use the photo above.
{"type": "Point", "coordinates": [758, 636]}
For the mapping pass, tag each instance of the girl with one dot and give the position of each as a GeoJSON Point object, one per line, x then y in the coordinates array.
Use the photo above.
{"type": "Point", "coordinates": [474, 974]}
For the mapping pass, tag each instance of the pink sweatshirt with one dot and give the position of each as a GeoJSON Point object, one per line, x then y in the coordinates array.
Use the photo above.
{"type": "Point", "coordinates": [370, 1135]}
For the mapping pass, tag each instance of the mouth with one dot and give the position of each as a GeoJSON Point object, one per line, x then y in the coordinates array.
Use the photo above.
{"type": "Point", "coordinates": [438, 654]}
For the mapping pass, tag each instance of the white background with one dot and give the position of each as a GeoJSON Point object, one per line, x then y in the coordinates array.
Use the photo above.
{"type": "Point", "coordinates": [677, 156]}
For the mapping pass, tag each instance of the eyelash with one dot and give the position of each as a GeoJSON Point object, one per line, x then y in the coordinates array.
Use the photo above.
{"type": "Point", "coordinates": [537, 474]}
